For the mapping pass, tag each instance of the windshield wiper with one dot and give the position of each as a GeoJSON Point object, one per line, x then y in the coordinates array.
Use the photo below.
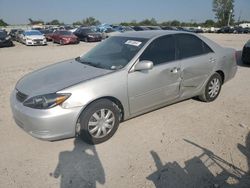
{"type": "Point", "coordinates": [98, 65]}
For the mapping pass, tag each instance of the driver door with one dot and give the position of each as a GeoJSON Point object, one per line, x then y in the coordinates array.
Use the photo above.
{"type": "Point", "coordinates": [148, 89]}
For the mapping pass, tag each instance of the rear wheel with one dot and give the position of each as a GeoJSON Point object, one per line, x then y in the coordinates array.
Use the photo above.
{"type": "Point", "coordinates": [212, 88]}
{"type": "Point", "coordinates": [99, 121]}
{"type": "Point", "coordinates": [86, 39]}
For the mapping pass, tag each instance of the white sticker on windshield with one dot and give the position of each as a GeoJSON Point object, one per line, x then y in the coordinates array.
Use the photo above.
{"type": "Point", "coordinates": [133, 42]}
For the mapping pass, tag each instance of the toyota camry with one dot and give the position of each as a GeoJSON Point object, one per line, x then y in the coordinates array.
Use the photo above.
{"type": "Point", "coordinates": [122, 77]}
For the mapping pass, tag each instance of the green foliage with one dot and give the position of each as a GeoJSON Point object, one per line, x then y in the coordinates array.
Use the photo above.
{"type": "Point", "coordinates": [223, 9]}
{"type": "Point", "coordinates": [175, 23]}
{"type": "Point", "coordinates": [209, 23]}
{"type": "Point", "coordinates": [55, 22]}
{"type": "Point", "coordinates": [3, 23]}
{"type": "Point", "coordinates": [89, 21]}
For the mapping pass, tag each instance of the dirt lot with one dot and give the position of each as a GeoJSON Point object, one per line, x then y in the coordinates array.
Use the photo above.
{"type": "Point", "coordinates": [189, 144]}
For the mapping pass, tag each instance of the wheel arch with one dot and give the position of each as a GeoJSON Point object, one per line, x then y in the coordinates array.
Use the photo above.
{"type": "Point", "coordinates": [116, 101]}
{"type": "Point", "coordinates": [222, 74]}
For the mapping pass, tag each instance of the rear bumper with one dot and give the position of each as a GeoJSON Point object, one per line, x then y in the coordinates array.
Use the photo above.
{"type": "Point", "coordinates": [52, 124]}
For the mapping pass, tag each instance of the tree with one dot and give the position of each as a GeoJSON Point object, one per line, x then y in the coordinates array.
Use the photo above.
{"type": "Point", "coordinates": [224, 10]}
{"type": "Point", "coordinates": [55, 22]}
{"type": "Point", "coordinates": [152, 21]}
{"type": "Point", "coordinates": [90, 21]}
{"type": "Point", "coordinates": [77, 23]}
{"type": "Point", "coordinates": [3, 23]}
{"type": "Point", "coordinates": [209, 23]}
{"type": "Point", "coordinates": [175, 23]}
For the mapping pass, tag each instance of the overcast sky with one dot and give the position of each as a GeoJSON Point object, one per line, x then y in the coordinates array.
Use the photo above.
{"type": "Point", "coordinates": [113, 11]}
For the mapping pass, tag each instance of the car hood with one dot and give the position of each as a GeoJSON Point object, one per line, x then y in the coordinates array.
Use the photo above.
{"type": "Point", "coordinates": [56, 77]}
{"type": "Point", "coordinates": [35, 36]}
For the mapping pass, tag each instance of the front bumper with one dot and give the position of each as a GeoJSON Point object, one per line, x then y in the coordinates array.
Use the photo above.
{"type": "Point", "coordinates": [51, 124]}
{"type": "Point", "coordinates": [94, 39]}
{"type": "Point", "coordinates": [71, 41]}
{"type": "Point", "coordinates": [35, 43]}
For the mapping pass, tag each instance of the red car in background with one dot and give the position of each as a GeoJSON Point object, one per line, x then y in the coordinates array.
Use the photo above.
{"type": "Point", "coordinates": [64, 37]}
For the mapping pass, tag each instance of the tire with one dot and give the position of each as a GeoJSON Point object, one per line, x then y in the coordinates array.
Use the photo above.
{"type": "Point", "coordinates": [212, 88]}
{"type": "Point", "coordinates": [102, 113]}
{"type": "Point", "coordinates": [61, 42]}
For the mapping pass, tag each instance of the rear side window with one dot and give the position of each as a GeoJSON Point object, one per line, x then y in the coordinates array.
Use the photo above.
{"type": "Point", "coordinates": [161, 50]}
{"type": "Point", "coordinates": [190, 45]}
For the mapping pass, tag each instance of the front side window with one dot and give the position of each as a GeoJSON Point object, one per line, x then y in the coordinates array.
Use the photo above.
{"type": "Point", "coordinates": [161, 50]}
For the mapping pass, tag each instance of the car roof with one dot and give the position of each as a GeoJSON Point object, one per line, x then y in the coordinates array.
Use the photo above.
{"type": "Point", "coordinates": [149, 34]}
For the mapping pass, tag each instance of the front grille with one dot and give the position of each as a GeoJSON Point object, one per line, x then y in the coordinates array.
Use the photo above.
{"type": "Point", "coordinates": [38, 40]}
{"type": "Point", "coordinates": [21, 96]}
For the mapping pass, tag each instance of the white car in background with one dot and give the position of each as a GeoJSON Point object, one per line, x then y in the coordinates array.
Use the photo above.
{"type": "Point", "coordinates": [33, 37]}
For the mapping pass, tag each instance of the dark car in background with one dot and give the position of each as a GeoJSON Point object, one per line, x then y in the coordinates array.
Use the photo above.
{"type": "Point", "coordinates": [12, 34]}
{"type": "Point", "coordinates": [140, 28]}
{"type": "Point", "coordinates": [246, 53]}
{"type": "Point", "coordinates": [225, 29]}
{"type": "Point", "coordinates": [87, 34]}
{"type": "Point", "coordinates": [18, 35]}
{"type": "Point", "coordinates": [64, 37]}
{"type": "Point", "coordinates": [47, 33]}
{"type": "Point", "coordinates": [169, 28]}
{"type": "Point", "coordinates": [5, 39]}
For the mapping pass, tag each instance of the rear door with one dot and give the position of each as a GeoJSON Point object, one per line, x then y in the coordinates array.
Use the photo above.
{"type": "Point", "coordinates": [197, 61]}
{"type": "Point", "coordinates": [152, 88]}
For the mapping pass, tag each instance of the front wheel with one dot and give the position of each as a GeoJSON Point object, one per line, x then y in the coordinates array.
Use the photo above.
{"type": "Point", "coordinates": [212, 88]}
{"type": "Point", "coordinates": [99, 121]}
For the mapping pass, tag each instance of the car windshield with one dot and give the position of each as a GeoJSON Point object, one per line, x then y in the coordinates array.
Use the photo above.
{"type": "Point", "coordinates": [113, 53]}
{"type": "Point", "coordinates": [46, 31]}
{"type": "Point", "coordinates": [33, 33]}
{"type": "Point", "coordinates": [3, 34]}
{"type": "Point", "coordinates": [65, 33]}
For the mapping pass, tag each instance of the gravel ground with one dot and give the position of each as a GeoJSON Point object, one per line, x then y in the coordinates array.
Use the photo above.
{"type": "Point", "coordinates": [188, 144]}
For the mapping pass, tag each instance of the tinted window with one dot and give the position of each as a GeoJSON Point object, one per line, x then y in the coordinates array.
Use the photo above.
{"type": "Point", "coordinates": [3, 34]}
{"type": "Point", "coordinates": [161, 50]}
{"type": "Point", "coordinates": [190, 45]}
{"type": "Point", "coordinates": [64, 32]}
{"type": "Point", "coordinates": [206, 48]}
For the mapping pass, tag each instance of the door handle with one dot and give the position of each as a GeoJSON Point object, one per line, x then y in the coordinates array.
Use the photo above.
{"type": "Point", "coordinates": [212, 60]}
{"type": "Point", "coordinates": [175, 70]}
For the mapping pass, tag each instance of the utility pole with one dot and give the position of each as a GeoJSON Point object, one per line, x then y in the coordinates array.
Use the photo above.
{"type": "Point", "coordinates": [229, 18]}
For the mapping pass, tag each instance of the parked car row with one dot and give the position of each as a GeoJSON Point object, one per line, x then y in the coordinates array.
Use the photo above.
{"type": "Point", "coordinates": [5, 39]}
{"type": "Point", "coordinates": [236, 30]}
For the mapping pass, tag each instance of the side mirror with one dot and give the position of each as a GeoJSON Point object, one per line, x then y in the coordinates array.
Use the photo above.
{"type": "Point", "coordinates": [144, 65]}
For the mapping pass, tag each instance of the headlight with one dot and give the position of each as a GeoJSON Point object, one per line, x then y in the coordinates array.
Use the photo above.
{"type": "Point", "coordinates": [90, 36]}
{"type": "Point", "coordinates": [7, 38]}
{"type": "Point", "coordinates": [27, 38]}
{"type": "Point", "coordinates": [46, 101]}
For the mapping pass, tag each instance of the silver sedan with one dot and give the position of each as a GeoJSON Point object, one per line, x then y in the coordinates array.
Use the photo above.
{"type": "Point", "coordinates": [122, 77]}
